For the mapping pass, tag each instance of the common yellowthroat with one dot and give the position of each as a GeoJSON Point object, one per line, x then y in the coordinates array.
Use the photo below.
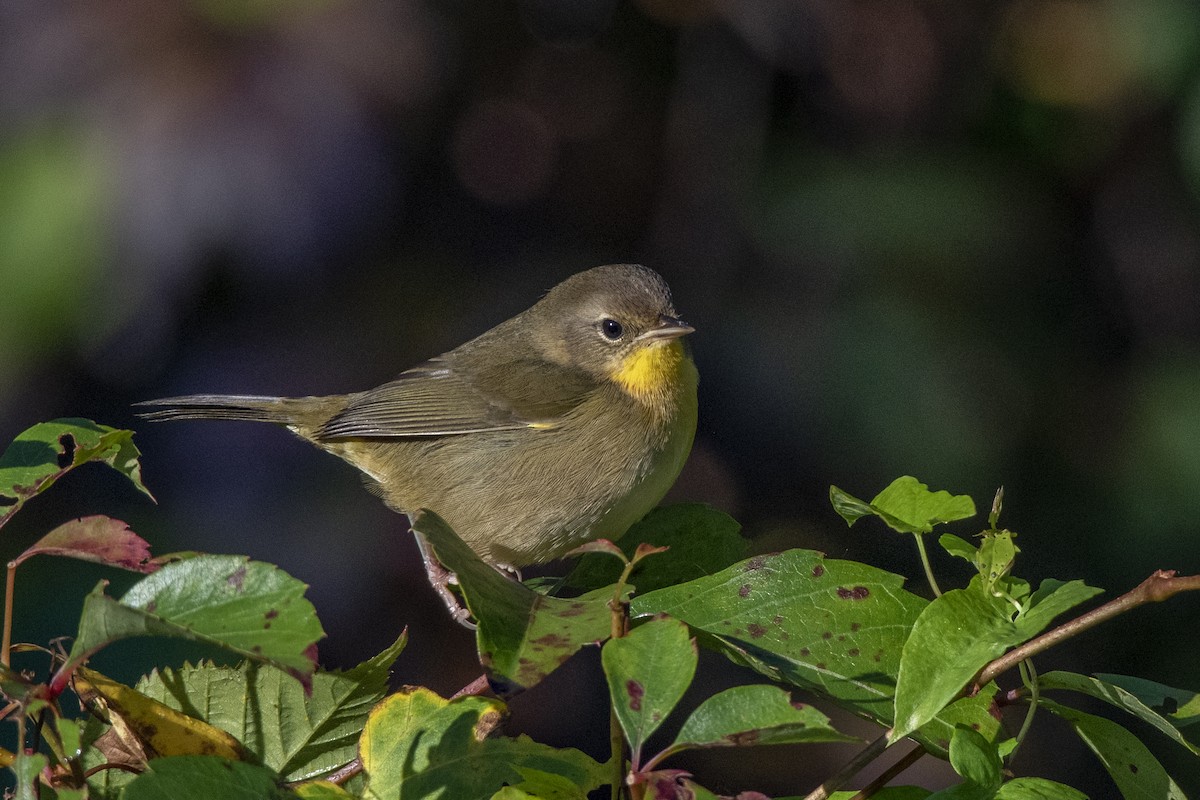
{"type": "Point", "coordinates": [563, 424]}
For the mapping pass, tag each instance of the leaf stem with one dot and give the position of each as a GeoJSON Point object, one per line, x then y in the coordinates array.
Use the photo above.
{"type": "Point", "coordinates": [618, 628]}
{"type": "Point", "coordinates": [852, 768]}
{"type": "Point", "coordinates": [1160, 586]}
{"type": "Point", "coordinates": [933, 584]}
{"type": "Point", "coordinates": [9, 583]}
{"type": "Point", "coordinates": [1029, 678]}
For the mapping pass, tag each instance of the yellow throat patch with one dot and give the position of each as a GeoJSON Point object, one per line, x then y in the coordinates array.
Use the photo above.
{"type": "Point", "coordinates": [651, 372]}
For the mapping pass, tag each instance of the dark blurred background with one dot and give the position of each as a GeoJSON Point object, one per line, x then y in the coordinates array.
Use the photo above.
{"type": "Point", "coordinates": [954, 240]}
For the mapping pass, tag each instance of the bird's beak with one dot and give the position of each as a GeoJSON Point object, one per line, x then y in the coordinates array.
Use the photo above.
{"type": "Point", "coordinates": [667, 328]}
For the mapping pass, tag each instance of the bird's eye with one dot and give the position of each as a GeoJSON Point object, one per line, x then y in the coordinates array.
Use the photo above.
{"type": "Point", "coordinates": [611, 329]}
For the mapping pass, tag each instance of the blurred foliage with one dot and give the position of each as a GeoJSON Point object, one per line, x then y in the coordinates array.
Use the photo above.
{"type": "Point", "coordinates": [955, 240]}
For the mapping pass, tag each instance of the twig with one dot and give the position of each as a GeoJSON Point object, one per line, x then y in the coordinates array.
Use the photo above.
{"type": "Point", "coordinates": [852, 768]}
{"type": "Point", "coordinates": [343, 774]}
{"type": "Point", "coordinates": [1160, 586]}
{"type": "Point", "coordinates": [475, 687]}
{"type": "Point", "coordinates": [6, 644]}
{"type": "Point", "coordinates": [885, 777]}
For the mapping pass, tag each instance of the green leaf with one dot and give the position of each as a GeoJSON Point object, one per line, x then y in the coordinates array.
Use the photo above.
{"type": "Point", "coordinates": [205, 778]}
{"type": "Point", "coordinates": [958, 633]}
{"type": "Point", "coordinates": [997, 553]}
{"type": "Point", "coordinates": [1116, 696]}
{"type": "Point", "coordinates": [959, 547]}
{"type": "Point", "coordinates": [299, 736]}
{"type": "Point", "coordinates": [836, 627]}
{"type": "Point", "coordinates": [27, 767]}
{"type": "Point", "coordinates": [648, 671]}
{"type": "Point", "coordinates": [751, 715]}
{"type": "Point", "coordinates": [321, 790]}
{"type": "Point", "coordinates": [1038, 789]}
{"type": "Point", "coordinates": [540, 785]}
{"type": "Point", "coordinates": [701, 539]}
{"type": "Point", "coordinates": [417, 744]}
{"type": "Point", "coordinates": [100, 539]}
{"type": "Point", "coordinates": [1051, 599]}
{"type": "Point", "coordinates": [1134, 769]}
{"type": "Point", "coordinates": [953, 638]}
{"type": "Point", "coordinates": [522, 636]}
{"type": "Point", "coordinates": [31, 464]}
{"type": "Point", "coordinates": [977, 761]}
{"type": "Point", "coordinates": [906, 505]}
{"type": "Point", "coordinates": [1180, 706]}
{"type": "Point", "coordinates": [244, 606]}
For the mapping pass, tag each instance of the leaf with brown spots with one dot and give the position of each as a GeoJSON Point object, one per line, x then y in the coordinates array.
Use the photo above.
{"type": "Point", "coordinates": [747, 715]}
{"type": "Point", "coordinates": [41, 455]}
{"type": "Point", "coordinates": [143, 725]}
{"type": "Point", "coordinates": [522, 636]}
{"type": "Point", "coordinates": [98, 538]}
{"type": "Point", "coordinates": [836, 627]}
{"type": "Point", "coordinates": [220, 600]}
{"type": "Point", "coordinates": [1133, 768]}
{"type": "Point", "coordinates": [648, 671]}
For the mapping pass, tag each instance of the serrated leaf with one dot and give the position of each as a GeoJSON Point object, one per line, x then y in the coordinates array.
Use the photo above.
{"type": "Point", "coordinates": [701, 539]}
{"type": "Point", "coordinates": [1180, 706]}
{"type": "Point", "coordinates": [1115, 696]}
{"type": "Point", "coordinates": [30, 465]}
{"type": "Point", "coordinates": [648, 671]}
{"type": "Point", "coordinates": [836, 627]}
{"type": "Point", "coordinates": [522, 636]}
{"type": "Point", "coordinates": [753, 715]}
{"type": "Point", "coordinates": [99, 539]}
{"type": "Point", "coordinates": [417, 744]}
{"type": "Point", "coordinates": [247, 607]}
{"type": "Point", "coordinates": [299, 736]}
{"type": "Point", "coordinates": [205, 778]}
{"type": "Point", "coordinates": [906, 506]}
{"type": "Point", "coordinates": [1037, 789]}
{"type": "Point", "coordinates": [1132, 766]}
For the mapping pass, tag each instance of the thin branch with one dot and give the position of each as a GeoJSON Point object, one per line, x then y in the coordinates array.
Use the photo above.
{"type": "Point", "coordinates": [6, 644]}
{"type": "Point", "coordinates": [1160, 586]}
{"type": "Point", "coordinates": [885, 777]}
{"type": "Point", "coordinates": [852, 768]}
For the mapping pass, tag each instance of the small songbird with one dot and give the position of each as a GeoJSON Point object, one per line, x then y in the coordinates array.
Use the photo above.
{"type": "Point", "coordinates": [563, 424]}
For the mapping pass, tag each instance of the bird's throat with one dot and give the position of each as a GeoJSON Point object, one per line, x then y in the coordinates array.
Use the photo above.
{"type": "Point", "coordinates": [652, 374]}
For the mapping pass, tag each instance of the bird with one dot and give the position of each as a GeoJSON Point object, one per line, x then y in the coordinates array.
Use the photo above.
{"type": "Point", "coordinates": [563, 424]}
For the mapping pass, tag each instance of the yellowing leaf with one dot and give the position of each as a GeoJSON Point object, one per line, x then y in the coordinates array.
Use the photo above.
{"type": "Point", "coordinates": [149, 728]}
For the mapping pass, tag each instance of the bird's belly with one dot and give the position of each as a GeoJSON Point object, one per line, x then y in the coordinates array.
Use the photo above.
{"type": "Point", "coordinates": [528, 496]}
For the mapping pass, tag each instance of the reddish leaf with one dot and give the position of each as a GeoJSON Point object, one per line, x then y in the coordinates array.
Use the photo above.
{"type": "Point", "coordinates": [98, 538]}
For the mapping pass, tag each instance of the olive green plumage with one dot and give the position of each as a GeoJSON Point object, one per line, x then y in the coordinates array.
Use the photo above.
{"type": "Point", "coordinates": [564, 423]}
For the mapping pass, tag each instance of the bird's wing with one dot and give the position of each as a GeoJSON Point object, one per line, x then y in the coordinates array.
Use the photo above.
{"type": "Point", "coordinates": [438, 398]}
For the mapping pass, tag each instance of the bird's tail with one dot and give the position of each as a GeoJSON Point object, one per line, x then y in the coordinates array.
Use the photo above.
{"type": "Point", "coordinates": [248, 408]}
